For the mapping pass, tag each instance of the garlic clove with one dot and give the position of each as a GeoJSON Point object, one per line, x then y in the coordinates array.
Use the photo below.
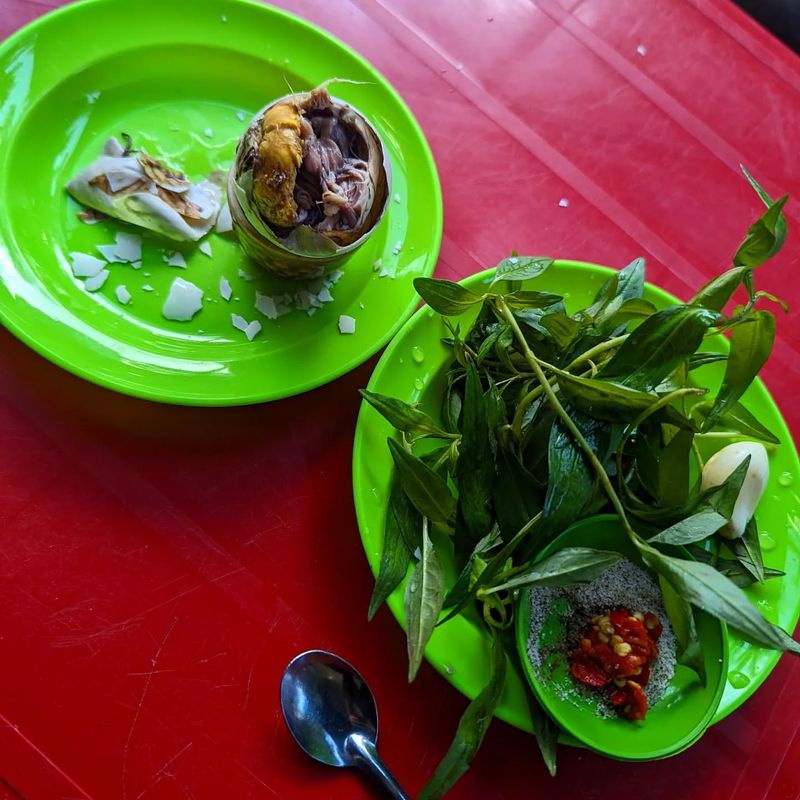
{"type": "Point", "coordinates": [722, 464]}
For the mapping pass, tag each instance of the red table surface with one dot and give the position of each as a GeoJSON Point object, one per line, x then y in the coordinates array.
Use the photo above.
{"type": "Point", "coordinates": [161, 565]}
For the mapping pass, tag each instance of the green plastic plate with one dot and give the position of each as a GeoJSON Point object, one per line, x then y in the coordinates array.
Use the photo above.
{"type": "Point", "coordinates": [680, 717]}
{"type": "Point", "coordinates": [184, 79]}
{"type": "Point", "coordinates": [413, 368]}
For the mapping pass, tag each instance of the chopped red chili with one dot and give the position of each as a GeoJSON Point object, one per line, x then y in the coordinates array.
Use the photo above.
{"type": "Point", "coordinates": [616, 651]}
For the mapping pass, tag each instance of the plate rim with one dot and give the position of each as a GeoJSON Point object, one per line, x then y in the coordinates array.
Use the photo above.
{"type": "Point", "coordinates": [394, 601]}
{"type": "Point", "coordinates": [15, 323]}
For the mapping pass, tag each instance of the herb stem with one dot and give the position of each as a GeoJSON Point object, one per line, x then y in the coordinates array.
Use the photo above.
{"type": "Point", "coordinates": [602, 475]}
{"type": "Point", "coordinates": [697, 456]}
{"type": "Point", "coordinates": [602, 347]}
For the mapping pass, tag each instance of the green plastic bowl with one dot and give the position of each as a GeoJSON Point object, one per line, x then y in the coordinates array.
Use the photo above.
{"type": "Point", "coordinates": [682, 715]}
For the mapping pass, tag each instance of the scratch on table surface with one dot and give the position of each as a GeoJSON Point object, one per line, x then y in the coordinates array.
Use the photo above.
{"type": "Point", "coordinates": [249, 685]}
{"type": "Point", "coordinates": [138, 712]}
{"type": "Point", "coordinates": [211, 658]}
{"type": "Point", "coordinates": [162, 771]}
{"type": "Point", "coordinates": [265, 785]}
{"type": "Point", "coordinates": [122, 625]}
{"type": "Point", "coordinates": [149, 672]}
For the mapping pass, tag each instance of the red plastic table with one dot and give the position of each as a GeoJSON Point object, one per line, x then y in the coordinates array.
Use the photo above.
{"type": "Point", "coordinates": [154, 580]}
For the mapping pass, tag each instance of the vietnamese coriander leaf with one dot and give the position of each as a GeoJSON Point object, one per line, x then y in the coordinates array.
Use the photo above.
{"type": "Point", "coordinates": [423, 602]}
{"type": "Point", "coordinates": [766, 235]}
{"type": "Point", "coordinates": [471, 730]}
{"type": "Point", "coordinates": [703, 586]}
{"type": "Point", "coordinates": [566, 567]}
{"type": "Point", "coordinates": [395, 556]}
{"type": "Point", "coordinates": [751, 344]}
{"type": "Point", "coordinates": [731, 568]}
{"type": "Point", "coordinates": [716, 293]}
{"type": "Point", "coordinates": [446, 297]}
{"type": "Point", "coordinates": [473, 566]}
{"type": "Point", "coordinates": [569, 482]}
{"type": "Point", "coordinates": [747, 549]}
{"type": "Point", "coordinates": [737, 420]}
{"type": "Point", "coordinates": [428, 491]}
{"type": "Point", "coordinates": [475, 467]}
{"type": "Point", "coordinates": [615, 402]}
{"type": "Point", "coordinates": [521, 268]}
{"type": "Point", "coordinates": [692, 529]}
{"type": "Point", "coordinates": [403, 416]}
{"type": "Point", "coordinates": [658, 345]}
{"type": "Point", "coordinates": [681, 618]}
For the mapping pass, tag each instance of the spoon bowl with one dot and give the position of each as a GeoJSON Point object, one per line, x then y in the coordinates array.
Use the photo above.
{"type": "Point", "coordinates": [331, 713]}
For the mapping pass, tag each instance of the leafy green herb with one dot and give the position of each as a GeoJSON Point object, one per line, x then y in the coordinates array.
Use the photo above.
{"type": "Point", "coordinates": [615, 402]}
{"type": "Point", "coordinates": [395, 556]}
{"type": "Point", "coordinates": [521, 268]}
{"type": "Point", "coordinates": [658, 345]}
{"type": "Point", "coordinates": [692, 529]}
{"type": "Point", "coordinates": [471, 729]}
{"type": "Point", "coordinates": [747, 550]}
{"type": "Point", "coordinates": [446, 297]}
{"type": "Point", "coordinates": [766, 235]}
{"type": "Point", "coordinates": [681, 618]}
{"type": "Point", "coordinates": [427, 491]}
{"type": "Point", "coordinates": [703, 586]}
{"type": "Point", "coordinates": [731, 568]}
{"type": "Point", "coordinates": [423, 602]}
{"type": "Point", "coordinates": [475, 468]}
{"type": "Point", "coordinates": [566, 567]}
{"type": "Point", "coordinates": [401, 415]}
{"type": "Point", "coordinates": [751, 344]}
{"type": "Point", "coordinates": [551, 414]}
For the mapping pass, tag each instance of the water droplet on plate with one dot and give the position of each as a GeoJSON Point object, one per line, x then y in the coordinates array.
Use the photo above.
{"type": "Point", "coordinates": [418, 354]}
{"type": "Point", "coordinates": [785, 479]}
{"type": "Point", "coordinates": [738, 680]}
{"type": "Point", "coordinates": [418, 384]}
{"type": "Point", "coordinates": [767, 542]}
{"type": "Point", "coordinates": [449, 669]}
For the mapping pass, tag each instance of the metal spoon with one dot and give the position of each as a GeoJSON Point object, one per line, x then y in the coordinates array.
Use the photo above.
{"type": "Point", "coordinates": [331, 713]}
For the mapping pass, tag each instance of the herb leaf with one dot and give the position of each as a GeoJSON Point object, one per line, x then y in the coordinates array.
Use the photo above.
{"type": "Point", "coordinates": [702, 586]}
{"type": "Point", "coordinates": [425, 489]}
{"type": "Point", "coordinates": [475, 468]}
{"type": "Point", "coordinates": [716, 293]}
{"type": "Point", "coordinates": [521, 268]}
{"type": "Point", "coordinates": [471, 729]}
{"type": "Point", "coordinates": [446, 297]}
{"type": "Point", "coordinates": [516, 493]}
{"type": "Point", "coordinates": [423, 602]}
{"type": "Point", "coordinates": [615, 402]}
{"type": "Point", "coordinates": [692, 529]}
{"type": "Point", "coordinates": [731, 568]}
{"type": "Point", "coordinates": [751, 344]}
{"type": "Point", "coordinates": [395, 558]}
{"type": "Point", "coordinates": [738, 420]}
{"type": "Point", "coordinates": [681, 618]}
{"type": "Point", "coordinates": [766, 235]}
{"type": "Point", "coordinates": [658, 345]}
{"type": "Point", "coordinates": [569, 484]}
{"type": "Point", "coordinates": [401, 415]}
{"type": "Point", "coordinates": [566, 567]}
{"type": "Point", "coordinates": [747, 550]}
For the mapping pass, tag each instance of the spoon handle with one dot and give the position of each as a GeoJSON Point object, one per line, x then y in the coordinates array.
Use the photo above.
{"type": "Point", "coordinates": [366, 757]}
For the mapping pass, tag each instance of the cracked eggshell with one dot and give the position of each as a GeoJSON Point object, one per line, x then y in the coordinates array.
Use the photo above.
{"type": "Point", "coordinates": [304, 253]}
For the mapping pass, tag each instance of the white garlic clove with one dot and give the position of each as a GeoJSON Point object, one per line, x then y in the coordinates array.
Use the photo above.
{"type": "Point", "coordinates": [722, 464]}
